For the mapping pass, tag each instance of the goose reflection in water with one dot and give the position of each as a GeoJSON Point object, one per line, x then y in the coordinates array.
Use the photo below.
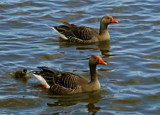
{"type": "Point", "coordinates": [90, 98]}
{"type": "Point", "coordinates": [104, 47]}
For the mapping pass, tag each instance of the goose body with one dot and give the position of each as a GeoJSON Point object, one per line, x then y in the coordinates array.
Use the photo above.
{"type": "Point", "coordinates": [69, 83]}
{"type": "Point", "coordinates": [82, 34]}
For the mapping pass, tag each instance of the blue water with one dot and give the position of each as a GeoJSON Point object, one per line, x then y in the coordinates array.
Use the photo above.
{"type": "Point", "coordinates": [130, 82]}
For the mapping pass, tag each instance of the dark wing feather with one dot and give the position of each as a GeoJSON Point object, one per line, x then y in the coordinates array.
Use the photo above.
{"type": "Point", "coordinates": [75, 33]}
{"type": "Point", "coordinates": [64, 79]}
{"type": "Point", "coordinates": [85, 33]}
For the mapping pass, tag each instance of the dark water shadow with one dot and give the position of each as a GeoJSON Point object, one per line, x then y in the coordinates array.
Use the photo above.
{"type": "Point", "coordinates": [90, 98]}
{"type": "Point", "coordinates": [104, 47]}
{"type": "Point", "coordinates": [64, 44]}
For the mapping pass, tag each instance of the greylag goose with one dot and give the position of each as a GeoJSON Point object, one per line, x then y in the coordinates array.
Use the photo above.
{"type": "Point", "coordinates": [82, 34]}
{"type": "Point", "coordinates": [69, 83]}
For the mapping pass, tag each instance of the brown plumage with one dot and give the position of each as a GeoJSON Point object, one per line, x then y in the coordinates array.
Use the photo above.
{"type": "Point", "coordinates": [82, 34]}
{"type": "Point", "coordinates": [69, 83]}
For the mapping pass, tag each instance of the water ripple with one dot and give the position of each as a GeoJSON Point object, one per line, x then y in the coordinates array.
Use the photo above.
{"type": "Point", "coordinates": [130, 81]}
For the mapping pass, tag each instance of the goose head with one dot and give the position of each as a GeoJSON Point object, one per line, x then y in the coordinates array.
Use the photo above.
{"type": "Point", "coordinates": [108, 20]}
{"type": "Point", "coordinates": [96, 59]}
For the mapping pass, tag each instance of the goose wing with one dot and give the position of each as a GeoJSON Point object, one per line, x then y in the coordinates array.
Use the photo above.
{"type": "Point", "coordinates": [73, 33]}
{"type": "Point", "coordinates": [60, 82]}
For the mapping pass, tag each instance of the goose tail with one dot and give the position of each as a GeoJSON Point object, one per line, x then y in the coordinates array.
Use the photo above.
{"type": "Point", "coordinates": [40, 78]}
{"type": "Point", "coordinates": [60, 34]}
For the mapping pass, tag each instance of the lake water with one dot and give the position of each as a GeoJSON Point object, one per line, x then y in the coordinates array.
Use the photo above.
{"type": "Point", "coordinates": [131, 80]}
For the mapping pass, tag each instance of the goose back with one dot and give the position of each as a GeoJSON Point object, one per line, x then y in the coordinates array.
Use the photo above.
{"type": "Point", "coordinates": [62, 82]}
{"type": "Point", "coordinates": [74, 33]}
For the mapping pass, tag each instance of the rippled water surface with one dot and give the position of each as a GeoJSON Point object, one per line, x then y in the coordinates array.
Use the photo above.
{"type": "Point", "coordinates": [131, 80]}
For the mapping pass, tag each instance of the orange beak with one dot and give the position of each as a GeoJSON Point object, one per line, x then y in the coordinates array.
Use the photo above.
{"type": "Point", "coordinates": [114, 21]}
{"type": "Point", "coordinates": [100, 61]}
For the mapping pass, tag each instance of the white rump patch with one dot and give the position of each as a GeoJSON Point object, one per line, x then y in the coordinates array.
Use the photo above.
{"type": "Point", "coordinates": [42, 80]}
{"type": "Point", "coordinates": [61, 35]}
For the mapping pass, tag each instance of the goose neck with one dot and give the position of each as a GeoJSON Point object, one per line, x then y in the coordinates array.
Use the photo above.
{"type": "Point", "coordinates": [103, 28]}
{"type": "Point", "coordinates": [93, 72]}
